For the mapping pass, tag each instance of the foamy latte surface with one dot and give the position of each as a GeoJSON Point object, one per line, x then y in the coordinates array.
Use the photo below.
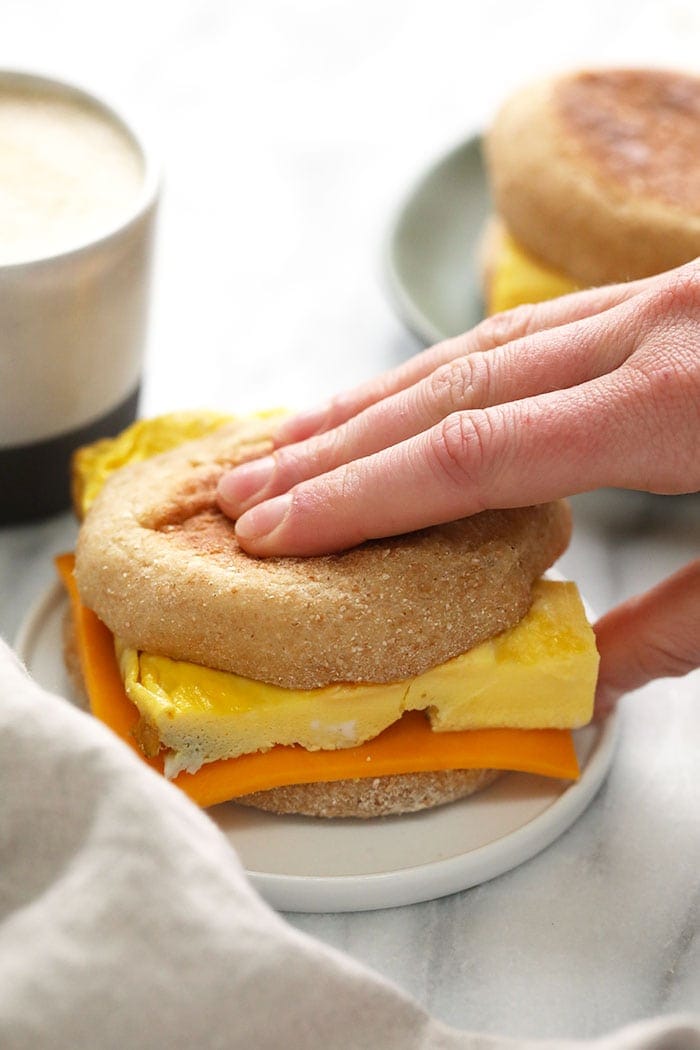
{"type": "Point", "coordinates": [67, 173]}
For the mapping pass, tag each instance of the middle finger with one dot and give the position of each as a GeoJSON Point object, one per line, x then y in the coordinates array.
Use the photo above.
{"type": "Point", "coordinates": [555, 359]}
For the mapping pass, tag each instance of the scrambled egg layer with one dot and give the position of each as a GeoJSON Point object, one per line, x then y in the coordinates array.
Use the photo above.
{"type": "Point", "coordinates": [539, 674]}
{"type": "Point", "coordinates": [517, 277]}
{"type": "Point", "coordinates": [94, 463]}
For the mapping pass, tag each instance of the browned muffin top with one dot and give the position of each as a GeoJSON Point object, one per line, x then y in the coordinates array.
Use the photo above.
{"type": "Point", "coordinates": [639, 128]}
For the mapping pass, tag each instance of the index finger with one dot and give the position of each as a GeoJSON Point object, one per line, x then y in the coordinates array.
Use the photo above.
{"type": "Point", "coordinates": [491, 333]}
{"type": "Point", "coordinates": [510, 455]}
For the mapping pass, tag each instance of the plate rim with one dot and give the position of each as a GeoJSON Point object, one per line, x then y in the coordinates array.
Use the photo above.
{"type": "Point", "coordinates": [397, 888]}
{"type": "Point", "coordinates": [417, 322]}
{"type": "Point", "coordinates": [409, 885]}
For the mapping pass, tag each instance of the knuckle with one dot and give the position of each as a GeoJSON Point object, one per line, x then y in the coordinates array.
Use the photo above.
{"type": "Point", "coordinates": [450, 383]}
{"type": "Point", "coordinates": [460, 447]}
{"type": "Point", "coordinates": [504, 327]}
{"type": "Point", "coordinates": [462, 383]}
{"type": "Point", "coordinates": [349, 483]}
{"type": "Point", "coordinates": [660, 393]}
{"type": "Point", "coordinates": [676, 295]}
{"type": "Point", "coordinates": [663, 659]}
{"type": "Point", "coordinates": [345, 495]}
{"type": "Point", "coordinates": [286, 465]}
{"type": "Point", "coordinates": [685, 286]}
{"type": "Point", "coordinates": [313, 456]}
{"type": "Point", "coordinates": [339, 408]}
{"type": "Point", "coordinates": [283, 457]}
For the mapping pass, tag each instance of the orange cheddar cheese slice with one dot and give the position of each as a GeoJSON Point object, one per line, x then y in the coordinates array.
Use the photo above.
{"type": "Point", "coordinates": [408, 746]}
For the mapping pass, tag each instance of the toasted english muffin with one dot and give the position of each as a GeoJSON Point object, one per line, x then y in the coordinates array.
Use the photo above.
{"type": "Point", "coordinates": [160, 566]}
{"type": "Point", "coordinates": [596, 174]}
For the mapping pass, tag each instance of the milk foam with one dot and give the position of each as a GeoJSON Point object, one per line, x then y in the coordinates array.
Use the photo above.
{"type": "Point", "coordinates": [67, 173]}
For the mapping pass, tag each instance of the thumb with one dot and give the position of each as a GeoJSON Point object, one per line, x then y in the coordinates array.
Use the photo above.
{"type": "Point", "coordinates": [654, 635]}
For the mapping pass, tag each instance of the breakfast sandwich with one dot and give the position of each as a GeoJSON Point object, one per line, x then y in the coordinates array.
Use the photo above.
{"type": "Point", "coordinates": [595, 177]}
{"type": "Point", "coordinates": [398, 675]}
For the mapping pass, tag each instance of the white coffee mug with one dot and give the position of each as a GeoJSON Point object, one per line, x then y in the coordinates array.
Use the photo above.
{"type": "Point", "coordinates": [80, 193]}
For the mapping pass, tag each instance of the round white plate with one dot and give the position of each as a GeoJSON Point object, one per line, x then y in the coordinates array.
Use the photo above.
{"type": "Point", "coordinates": [432, 248]}
{"type": "Point", "coordinates": [307, 865]}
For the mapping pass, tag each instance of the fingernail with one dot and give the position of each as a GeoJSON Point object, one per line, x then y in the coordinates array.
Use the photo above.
{"type": "Point", "coordinates": [301, 426]}
{"type": "Point", "coordinates": [265, 518]}
{"type": "Point", "coordinates": [244, 482]}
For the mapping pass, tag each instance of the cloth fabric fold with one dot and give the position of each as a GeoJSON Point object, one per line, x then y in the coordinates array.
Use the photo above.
{"type": "Point", "coordinates": [126, 919]}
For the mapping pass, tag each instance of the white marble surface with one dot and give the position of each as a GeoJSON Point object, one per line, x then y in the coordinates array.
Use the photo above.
{"type": "Point", "coordinates": [289, 132]}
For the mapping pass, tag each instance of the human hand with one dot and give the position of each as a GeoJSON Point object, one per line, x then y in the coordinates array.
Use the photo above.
{"type": "Point", "coordinates": [654, 635]}
{"type": "Point", "coordinates": [594, 389]}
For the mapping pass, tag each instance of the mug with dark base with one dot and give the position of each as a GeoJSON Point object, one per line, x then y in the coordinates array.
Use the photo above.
{"type": "Point", "coordinates": [78, 196]}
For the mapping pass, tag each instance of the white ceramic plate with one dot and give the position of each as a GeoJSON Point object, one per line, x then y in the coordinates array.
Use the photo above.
{"type": "Point", "coordinates": [307, 865]}
{"type": "Point", "coordinates": [432, 248]}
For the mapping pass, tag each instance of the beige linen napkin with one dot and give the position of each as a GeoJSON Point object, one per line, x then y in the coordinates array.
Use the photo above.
{"type": "Point", "coordinates": [126, 920]}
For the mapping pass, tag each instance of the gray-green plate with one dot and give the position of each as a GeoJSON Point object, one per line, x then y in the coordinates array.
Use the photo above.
{"type": "Point", "coordinates": [433, 246]}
